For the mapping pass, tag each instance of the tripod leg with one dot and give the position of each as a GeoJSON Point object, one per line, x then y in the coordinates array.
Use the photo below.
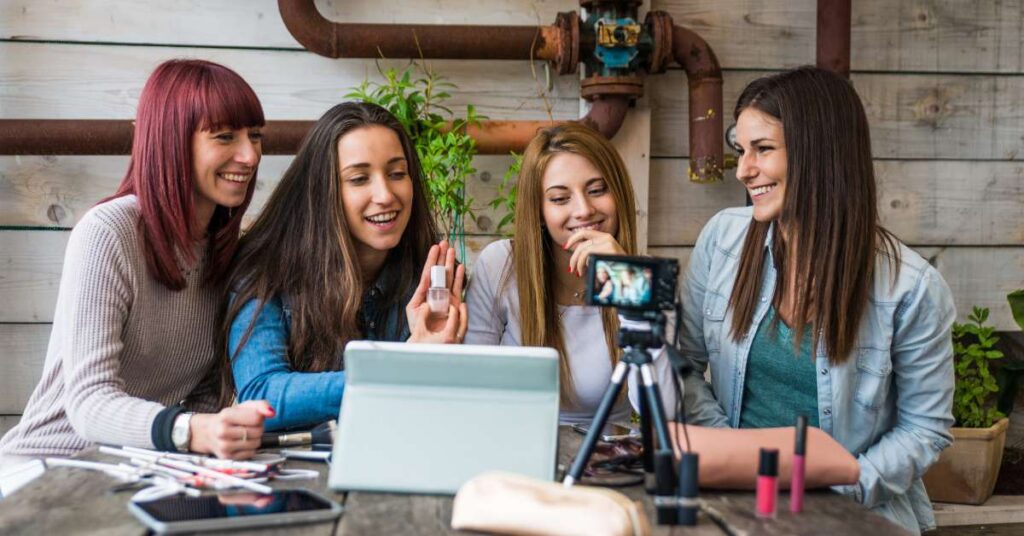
{"type": "Point", "coordinates": [664, 472]}
{"type": "Point", "coordinates": [647, 440]}
{"type": "Point", "coordinates": [600, 418]}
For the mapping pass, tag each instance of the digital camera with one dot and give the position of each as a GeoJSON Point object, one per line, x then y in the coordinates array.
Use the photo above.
{"type": "Point", "coordinates": [632, 283]}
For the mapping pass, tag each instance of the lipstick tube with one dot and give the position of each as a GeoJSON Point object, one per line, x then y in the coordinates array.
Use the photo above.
{"type": "Point", "coordinates": [796, 488]}
{"type": "Point", "coordinates": [767, 483]}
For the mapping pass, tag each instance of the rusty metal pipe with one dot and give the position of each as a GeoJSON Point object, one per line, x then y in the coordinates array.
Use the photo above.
{"type": "Point", "coordinates": [833, 36]}
{"type": "Point", "coordinates": [607, 113]}
{"type": "Point", "coordinates": [114, 136]}
{"type": "Point", "coordinates": [348, 40]}
{"type": "Point", "coordinates": [704, 76]}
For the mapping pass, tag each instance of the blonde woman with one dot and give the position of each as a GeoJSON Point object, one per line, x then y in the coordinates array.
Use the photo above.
{"type": "Point", "coordinates": [575, 199]}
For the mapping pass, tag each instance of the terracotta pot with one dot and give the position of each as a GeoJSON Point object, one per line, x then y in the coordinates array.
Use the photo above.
{"type": "Point", "coordinates": [966, 472]}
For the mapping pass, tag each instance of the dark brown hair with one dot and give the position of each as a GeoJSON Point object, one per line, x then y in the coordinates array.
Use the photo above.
{"type": "Point", "coordinates": [829, 211]}
{"type": "Point", "coordinates": [180, 98]}
{"type": "Point", "coordinates": [532, 259]}
{"type": "Point", "coordinates": [300, 247]}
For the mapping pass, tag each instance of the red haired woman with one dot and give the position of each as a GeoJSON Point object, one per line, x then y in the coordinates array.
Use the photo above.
{"type": "Point", "coordinates": [133, 348]}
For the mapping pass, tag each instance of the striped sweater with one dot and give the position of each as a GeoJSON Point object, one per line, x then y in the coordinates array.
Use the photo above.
{"type": "Point", "coordinates": [122, 346]}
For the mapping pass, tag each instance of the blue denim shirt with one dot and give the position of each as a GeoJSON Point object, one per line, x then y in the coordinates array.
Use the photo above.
{"type": "Point", "coordinates": [262, 372]}
{"type": "Point", "coordinates": [890, 404]}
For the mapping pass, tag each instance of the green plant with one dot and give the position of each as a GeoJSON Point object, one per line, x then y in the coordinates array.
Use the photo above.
{"type": "Point", "coordinates": [505, 199]}
{"type": "Point", "coordinates": [1016, 300]}
{"type": "Point", "coordinates": [974, 404]}
{"type": "Point", "coordinates": [416, 97]}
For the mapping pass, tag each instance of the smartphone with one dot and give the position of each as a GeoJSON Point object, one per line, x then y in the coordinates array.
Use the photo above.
{"type": "Point", "coordinates": [611, 431]}
{"type": "Point", "coordinates": [222, 512]}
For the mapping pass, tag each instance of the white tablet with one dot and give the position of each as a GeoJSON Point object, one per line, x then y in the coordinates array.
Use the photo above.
{"type": "Point", "coordinates": [425, 418]}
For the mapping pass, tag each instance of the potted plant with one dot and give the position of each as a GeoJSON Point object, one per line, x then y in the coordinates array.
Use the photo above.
{"type": "Point", "coordinates": [416, 97]}
{"type": "Point", "coordinates": [966, 472]}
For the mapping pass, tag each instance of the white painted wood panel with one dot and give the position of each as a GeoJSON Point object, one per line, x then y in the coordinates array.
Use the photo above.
{"type": "Point", "coordinates": [70, 81]}
{"type": "Point", "coordinates": [924, 202]}
{"type": "Point", "coordinates": [911, 116]}
{"type": "Point", "coordinates": [251, 23]}
{"type": "Point", "coordinates": [23, 349]}
{"type": "Point", "coordinates": [886, 35]}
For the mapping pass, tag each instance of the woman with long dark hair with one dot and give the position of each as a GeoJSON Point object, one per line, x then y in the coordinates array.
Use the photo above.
{"type": "Point", "coordinates": [804, 305]}
{"type": "Point", "coordinates": [574, 200]}
{"type": "Point", "coordinates": [334, 257]}
{"type": "Point", "coordinates": [135, 327]}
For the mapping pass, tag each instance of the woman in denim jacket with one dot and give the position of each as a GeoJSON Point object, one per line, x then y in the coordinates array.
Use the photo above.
{"type": "Point", "coordinates": [332, 258]}
{"type": "Point", "coordinates": [808, 267]}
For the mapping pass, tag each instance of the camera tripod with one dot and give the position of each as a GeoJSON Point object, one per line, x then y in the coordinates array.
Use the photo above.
{"type": "Point", "coordinates": [640, 335]}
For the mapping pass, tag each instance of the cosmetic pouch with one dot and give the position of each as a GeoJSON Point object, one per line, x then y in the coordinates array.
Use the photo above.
{"type": "Point", "coordinates": [729, 456]}
{"type": "Point", "coordinates": [505, 503]}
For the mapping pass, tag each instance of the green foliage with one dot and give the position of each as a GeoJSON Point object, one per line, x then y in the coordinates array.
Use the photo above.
{"type": "Point", "coordinates": [974, 403]}
{"type": "Point", "coordinates": [416, 97]}
{"type": "Point", "coordinates": [505, 199]}
{"type": "Point", "coordinates": [1016, 299]}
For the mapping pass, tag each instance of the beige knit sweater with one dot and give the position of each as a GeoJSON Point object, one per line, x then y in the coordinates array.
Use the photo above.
{"type": "Point", "coordinates": [122, 347]}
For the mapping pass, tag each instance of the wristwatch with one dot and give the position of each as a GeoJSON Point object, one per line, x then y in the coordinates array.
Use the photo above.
{"type": "Point", "coordinates": [181, 433]}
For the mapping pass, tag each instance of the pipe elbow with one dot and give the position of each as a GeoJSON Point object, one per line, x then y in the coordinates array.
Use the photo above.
{"type": "Point", "coordinates": [607, 113]}
{"type": "Point", "coordinates": [704, 76]}
{"type": "Point", "coordinates": [309, 27]}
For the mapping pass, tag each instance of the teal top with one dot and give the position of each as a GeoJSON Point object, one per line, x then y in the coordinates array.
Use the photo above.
{"type": "Point", "coordinates": [779, 386]}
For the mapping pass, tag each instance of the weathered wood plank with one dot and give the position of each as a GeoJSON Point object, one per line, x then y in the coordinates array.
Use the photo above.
{"type": "Point", "coordinates": [942, 202]}
{"type": "Point", "coordinates": [78, 501]}
{"type": "Point", "coordinates": [22, 352]}
{"type": "Point", "coordinates": [956, 203]}
{"type": "Point", "coordinates": [104, 82]}
{"type": "Point", "coordinates": [255, 23]}
{"type": "Point", "coordinates": [30, 268]}
{"type": "Point", "coordinates": [912, 116]}
{"type": "Point", "coordinates": [30, 274]}
{"type": "Point", "coordinates": [977, 276]}
{"type": "Point", "coordinates": [633, 142]}
{"type": "Point", "coordinates": [56, 191]}
{"type": "Point", "coordinates": [886, 35]}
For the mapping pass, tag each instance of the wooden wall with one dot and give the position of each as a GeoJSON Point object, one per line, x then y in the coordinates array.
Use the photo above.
{"type": "Point", "coordinates": [941, 79]}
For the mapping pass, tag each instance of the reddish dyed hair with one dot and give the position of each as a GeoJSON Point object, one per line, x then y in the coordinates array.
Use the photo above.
{"type": "Point", "coordinates": [180, 98]}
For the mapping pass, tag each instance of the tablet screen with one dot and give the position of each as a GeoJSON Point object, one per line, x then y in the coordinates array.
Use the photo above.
{"type": "Point", "coordinates": [181, 508]}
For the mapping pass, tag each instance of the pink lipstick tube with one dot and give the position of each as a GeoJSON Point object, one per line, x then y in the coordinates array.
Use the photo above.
{"type": "Point", "coordinates": [796, 488]}
{"type": "Point", "coordinates": [767, 483]}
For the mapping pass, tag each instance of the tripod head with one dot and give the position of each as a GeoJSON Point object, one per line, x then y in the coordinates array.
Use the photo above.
{"type": "Point", "coordinates": [644, 331]}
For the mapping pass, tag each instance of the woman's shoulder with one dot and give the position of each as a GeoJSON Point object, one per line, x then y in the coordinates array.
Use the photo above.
{"type": "Point", "coordinates": [493, 258]}
{"type": "Point", "coordinates": [118, 217]}
{"type": "Point", "coordinates": [727, 229]}
{"type": "Point", "coordinates": [901, 272]}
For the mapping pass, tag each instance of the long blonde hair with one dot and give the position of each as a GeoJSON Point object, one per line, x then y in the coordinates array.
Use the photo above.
{"type": "Point", "coordinates": [532, 256]}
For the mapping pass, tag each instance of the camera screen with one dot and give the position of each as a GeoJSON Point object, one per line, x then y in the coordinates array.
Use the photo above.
{"type": "Point", "coordinates": [622, 284]}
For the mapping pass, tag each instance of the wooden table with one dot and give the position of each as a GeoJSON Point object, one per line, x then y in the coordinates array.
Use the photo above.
{"type": "Point", "coordinates": [75, 501]}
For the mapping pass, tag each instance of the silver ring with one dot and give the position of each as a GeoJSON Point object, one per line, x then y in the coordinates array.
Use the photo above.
{"type": "Point", "coordinates": [245, 434]}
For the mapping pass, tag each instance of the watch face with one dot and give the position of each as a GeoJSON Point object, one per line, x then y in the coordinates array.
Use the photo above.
{"type": "Point", "coordinates": [180, 432]}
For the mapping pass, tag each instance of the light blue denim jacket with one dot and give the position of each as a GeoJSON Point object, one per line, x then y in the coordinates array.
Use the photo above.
{"type": "Point", "coordinates": [262, 372]}
{"type": "Point", "coordinates": [890, 404]}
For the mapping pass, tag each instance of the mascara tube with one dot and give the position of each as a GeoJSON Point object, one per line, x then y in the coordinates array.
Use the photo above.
{"type": "Point", "coordinates": [767, 482]}
{"type": "Point", "coordinates": [796, 488]}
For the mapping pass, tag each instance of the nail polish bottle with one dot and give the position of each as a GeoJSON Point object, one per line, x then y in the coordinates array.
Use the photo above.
{"type": "Point", "coordinates": [767, 483]}
{"type": "Point", "coordinates": [438, 294]}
